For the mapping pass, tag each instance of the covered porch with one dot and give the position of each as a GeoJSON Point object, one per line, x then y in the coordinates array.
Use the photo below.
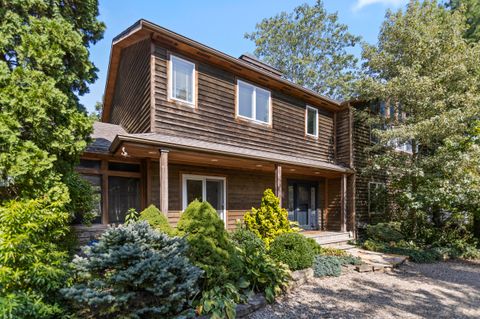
{"type": "Point", "coordinates": [174, 171]}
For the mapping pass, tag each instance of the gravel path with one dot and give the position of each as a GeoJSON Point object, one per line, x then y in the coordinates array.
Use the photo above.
{"type": "Point", "coordinates": [440, 290]}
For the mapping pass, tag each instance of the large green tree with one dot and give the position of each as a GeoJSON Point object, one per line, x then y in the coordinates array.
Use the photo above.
{"type": "Point", "coordinates": [428, 71]}
{"type": "Point", "coordinates": [310, 47]}
{"type": "Point", "coordinates": [471, 10]}
{"type": "Point", "coordinates": [44, 65]}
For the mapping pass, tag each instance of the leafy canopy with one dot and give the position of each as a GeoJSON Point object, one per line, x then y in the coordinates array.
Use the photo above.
{"type": "Point", "coordinates": [44, 64]}
{"type": "Point", "coordinates": [471, 9]}
{"type": "Point", "coordinates": [425, 69]}
{"type": "Point", "coordinates": [310, 47]}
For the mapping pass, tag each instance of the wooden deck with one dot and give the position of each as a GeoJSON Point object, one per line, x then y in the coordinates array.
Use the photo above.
{"type": "Point", "coordinates": [328, 237]}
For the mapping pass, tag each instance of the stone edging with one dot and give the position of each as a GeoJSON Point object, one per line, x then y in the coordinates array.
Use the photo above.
{"type": "Point", "coordinates": [258, 301]}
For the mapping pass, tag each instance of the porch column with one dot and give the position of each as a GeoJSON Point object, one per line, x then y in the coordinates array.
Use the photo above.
{"type": "Point", "coordinates": [343, 203]}
{"type": "Point", "coordinates": [278, 182]}
{"type": "Point", "coordinates": [163, 181]}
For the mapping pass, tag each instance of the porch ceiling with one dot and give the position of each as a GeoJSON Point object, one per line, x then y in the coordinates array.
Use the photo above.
{"type": "Point", "coordinates": [195, 152]}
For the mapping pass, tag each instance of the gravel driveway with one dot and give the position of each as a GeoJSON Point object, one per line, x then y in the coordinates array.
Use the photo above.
{"type": "Point", "coordinates": [441, 290]}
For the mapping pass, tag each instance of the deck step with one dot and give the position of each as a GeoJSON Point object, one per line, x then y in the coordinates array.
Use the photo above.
{"type": "Point", "coordinates": [330, 238]}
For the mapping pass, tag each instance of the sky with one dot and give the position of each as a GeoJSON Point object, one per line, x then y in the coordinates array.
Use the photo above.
{"type": "Point", "coordinates": [220, 24]}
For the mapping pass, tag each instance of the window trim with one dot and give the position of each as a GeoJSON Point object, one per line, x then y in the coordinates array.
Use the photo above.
{"type": "Point", "coordinates": [254, 103]}
{"type": "Point", "coordinates": [170, 80]}
{"type": "Point", "coordinates": [316, 121]}
{"type": "Point", "coordinates": [204, 178]}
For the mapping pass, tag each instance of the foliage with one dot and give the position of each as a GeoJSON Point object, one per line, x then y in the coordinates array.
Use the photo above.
{"type": "Point", "coordinates": [471, 10]}
{"type": "Point", "coordinates": [44, 64]}
{"type": "Point", "coordinates": [424, 67]}
{"type": "Point", "coordinates": [133, 272]}
{"type": "Point", "coordinates": [349, 260]}
{"type": "Point", "coordinates": [32, 255]}
{"type": "Point", "coordinates": [327, 266]}
{"type": "Point", "coordinates": [210, 246]}
{"type": "Point", "coordinates": [386, 232]}
{"type": "Point", "coordinates": [248, 241]}
{"type": "Point", "coordinates": [330, 251]}
{"type": "Point", "coordinates": [270, 220]}
{"type": "Point", "coordinates": [220, 302]}
{"type": "Point", "coordinates": [416, 254]}
{"type": "Point", "coordinates": [262, 272]}
{"type": "Point", "coordinates": [294, 250]}
{"type": "Point", "coordinates": [132, 216]}
{"type": "Point", "coordinates": [310, 47]}
{"type": "Point", "coordinates": [157, 220]}
{"type": "Point", "coordinates": [316, 248]}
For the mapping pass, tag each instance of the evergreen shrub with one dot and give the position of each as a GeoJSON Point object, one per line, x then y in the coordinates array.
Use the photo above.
{"type": "Point", "coordinates": [157, 220]}
{"type": "Point", "coordinates": [268, 221]}
{"type": "Point", "coordinates": [293, 249]}
{"type": "Point", "coordinates": [134, 272]}
{"type": "Point", "coordinates": [327, 266]}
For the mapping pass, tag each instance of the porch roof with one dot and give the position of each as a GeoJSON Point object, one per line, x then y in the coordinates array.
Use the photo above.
{"type": "Point", "coordinates": [174, 142]}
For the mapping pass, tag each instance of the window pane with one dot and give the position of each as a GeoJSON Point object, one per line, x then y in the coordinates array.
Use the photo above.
{"type": "Point", "coordinates": [215, 194]}
{"type": "Point", "coordinates": [125, 167]}
{"type": "Point", "coordinates": [262, 106]}
{"type": "Point", "coordinates": [245, 100]}
{"type": "Point", "coordinates": [182, 72]}
{"type": "Point", "coordinates": [123, 194]}
{"type": "Point", "coordinates": [194, 190]}
{"type": "Point", "coordinates": [96, 183]}
{"type": "Point", "coordinates": [89, 164]}
{"type": "Point", "coordinates": [311, 122]}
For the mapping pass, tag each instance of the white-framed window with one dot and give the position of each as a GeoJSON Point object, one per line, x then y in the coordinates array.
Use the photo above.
{"type": "Point", "coordinates": [311, 121]}
{"type": "Point", "coordinates": [182, 80]}
{"type": "Point", "coordinates": [205, 188]}
{"type": "Point", "coordinates": [253, 103]}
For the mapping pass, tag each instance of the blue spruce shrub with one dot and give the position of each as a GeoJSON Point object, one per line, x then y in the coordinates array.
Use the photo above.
{"type": "Point", "coordinates": [134, 272]}
{"type": "Point", "coordinates": [327, 266]}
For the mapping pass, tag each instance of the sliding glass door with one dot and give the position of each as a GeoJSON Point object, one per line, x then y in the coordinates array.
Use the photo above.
{"type": "Point", "coordinates": [205, 188]}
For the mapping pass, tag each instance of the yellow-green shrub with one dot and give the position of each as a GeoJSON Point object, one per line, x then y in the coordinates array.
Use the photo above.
{"type": "Point", "coordinates": [157, 220]}
{"type": "Point", "coordinates": [268, 221]}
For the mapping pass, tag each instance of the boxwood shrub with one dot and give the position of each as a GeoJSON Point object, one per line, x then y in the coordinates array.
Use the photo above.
{"type": "Point", "coordinates": [293, 249]}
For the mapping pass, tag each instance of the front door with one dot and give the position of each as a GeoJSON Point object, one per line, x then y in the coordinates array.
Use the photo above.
{"type": "Point", "coordinates": [302, 204]}
{"type": "Point", "coordinates": [205, 188]}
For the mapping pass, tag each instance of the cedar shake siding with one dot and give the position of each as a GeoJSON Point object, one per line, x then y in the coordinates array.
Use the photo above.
{"type": "Point", "coordinates": [343, 135]}
{"type": "Point", "coordinates": [213, 117]}
{"type": "Point", "coordinates": [131, 100]}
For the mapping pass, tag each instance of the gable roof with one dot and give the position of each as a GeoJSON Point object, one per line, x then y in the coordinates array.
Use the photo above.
{"type": "Point", "coordinates": [144, 29]}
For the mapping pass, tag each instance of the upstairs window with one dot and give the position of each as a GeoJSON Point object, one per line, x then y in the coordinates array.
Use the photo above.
{"type": "Point", "coordinates": [311, 123]}
{"type": "Point", "coordinates": [253, 103]}
{"type": "Point", "coordinates": [182, 80]}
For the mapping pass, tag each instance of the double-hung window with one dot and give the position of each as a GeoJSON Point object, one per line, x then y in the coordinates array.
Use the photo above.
{"type": "Point", "coordinates": [311, 121]}
{"type": "Point", "coordinates": [182, 80]}
{"type": "Point", "coordinates": [253, 103]}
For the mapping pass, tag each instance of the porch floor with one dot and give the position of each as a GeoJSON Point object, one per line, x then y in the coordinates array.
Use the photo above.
{"type": "Point", "coordinates": [326, 237]}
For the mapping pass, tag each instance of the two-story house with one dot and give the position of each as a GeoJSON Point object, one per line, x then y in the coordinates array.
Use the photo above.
{"type": "Point", "coordinates": [183, 121]}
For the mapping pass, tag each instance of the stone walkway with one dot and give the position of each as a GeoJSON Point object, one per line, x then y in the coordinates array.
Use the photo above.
{"type": "Point", "coordinates": [374, 261]}
{"type": "Point", "coordinates": [440, 290]}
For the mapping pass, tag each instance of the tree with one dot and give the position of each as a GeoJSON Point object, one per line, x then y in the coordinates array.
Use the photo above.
{"type": "Point", "coordinates": [471, 9]}
{"type": "Point", "coordinates": [44, 65]}
{"type": "Point", "coordinates": [310, 47]}
{"type": "Point", "coordinates": [424, 67]}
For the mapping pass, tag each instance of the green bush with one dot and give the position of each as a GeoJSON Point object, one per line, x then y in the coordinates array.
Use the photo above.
{"type": "Point", "coordinates": [350, 260]}
{"type": "Point", "coordinates": [134, 272]}
{"type": "Point", "coordinates": [270, 220]}
{"type": "Point", "coordinates": [220, 302]}
{"type": "Point", "coordinates": [385, 232]}
{"type": "Point", "coordinates": [327, 266]}
{"type": "Point", "coordinates": [248, 241]}
{"type": "Point", "coordinates": [33, 254]}
{"type": "Point", "coordinates": [415, 254]}
{"type": "Point", "coordinates": [330, 251]}
{"type": "Point", "coordinates": [157, 220]}
{"type": "Point", "coordinates": [316, 248]}
{"type": "Point", "coordinates": [294, 250]}
{"type": "Point", "coordinates": [210, 246]}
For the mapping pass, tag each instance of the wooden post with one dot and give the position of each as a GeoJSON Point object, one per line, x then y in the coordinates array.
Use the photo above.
{"type": "Point", "coordinates": [163, 181]}
{"type": "Point", "coordinates": [148, 181]}
{"type": "Point", "coordinates": [104, 168]}
{"type": "Point", "coordinates": [325, 205]}
{"type": "Point", "coordinates": [343, 203]}
{"type": "Point", "coordinates": [278, 183]}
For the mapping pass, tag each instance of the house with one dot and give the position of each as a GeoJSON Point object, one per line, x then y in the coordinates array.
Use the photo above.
{"type": "Point", "coordinates": [183, 121]}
